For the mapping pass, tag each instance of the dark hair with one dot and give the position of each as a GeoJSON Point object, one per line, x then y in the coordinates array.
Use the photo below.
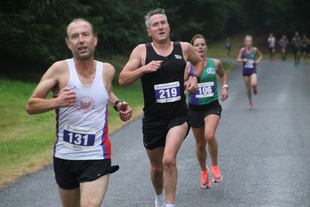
{"type": "Point", "coordinates": [197, 36]}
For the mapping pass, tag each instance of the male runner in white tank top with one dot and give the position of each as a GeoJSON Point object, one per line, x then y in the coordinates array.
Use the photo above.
{"type": "Point", "coordinates": [82, 91]}
{"type": "Point", "coordinates": [272, 46]}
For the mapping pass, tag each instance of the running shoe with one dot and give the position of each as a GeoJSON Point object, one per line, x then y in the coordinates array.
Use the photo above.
{"type": "Point", "coordinates": [251, 105]}
{"type": "Point", "coordinates": [216, 174]}
{"type": "Point", "coordinates": [159, 204]}
{"type": "Point", "coordinates": [160, 200]}
{"type": "Point", "coordinates": [205, 182]}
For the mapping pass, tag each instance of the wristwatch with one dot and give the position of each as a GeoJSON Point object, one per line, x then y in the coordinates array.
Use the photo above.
{"type": "Point", "coordinates": [115, 104]}
{"type": "Point", "coordinates": [197, 76]}
{"type": "Point", "coordinates": [225, 86]}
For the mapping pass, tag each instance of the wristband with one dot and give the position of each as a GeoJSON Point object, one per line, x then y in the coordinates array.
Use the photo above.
{"type": "Point", "coordinates": [197, 76]}
{"type": "Point", "coordinates": [225, 86]}
{"type": "Point", "coordinates": [115, 104]}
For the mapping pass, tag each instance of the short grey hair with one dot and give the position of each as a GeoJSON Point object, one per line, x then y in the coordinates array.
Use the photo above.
{"type": "Point", "coordinates": [148, 16]}
{"type": "Point", "coordinates": [93, 29]}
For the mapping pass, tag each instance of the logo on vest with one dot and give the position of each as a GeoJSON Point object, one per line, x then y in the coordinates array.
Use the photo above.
{"type": "Point", "coordinates": [74, 88]}
{"type": "Point", "coordinates": [178, 56]}
{"type": "Point", "coordinates": [85, 104]}
{"type": "Point", "coordinates": [211, 71]}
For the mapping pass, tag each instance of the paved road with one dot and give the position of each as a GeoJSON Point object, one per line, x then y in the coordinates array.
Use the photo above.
{"type": "Point", "coordinates": [264, 153]}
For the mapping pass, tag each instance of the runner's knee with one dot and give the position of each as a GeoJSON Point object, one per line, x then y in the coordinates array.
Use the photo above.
{"type": "Point", "coordinates": [169, 162]}
{"type": "Point", "coordinates": [157, 169]}
{"type": "Point", "coordinates": [201, 145]}
{"type": "Point", "coordinates": [210, 137]}
{"type": "Point", "coordinates": [90, 203]}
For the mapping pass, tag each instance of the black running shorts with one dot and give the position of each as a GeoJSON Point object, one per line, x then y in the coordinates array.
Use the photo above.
{"type": "Point", "coordinates": [70, 173]}
{"type": "Point", "coordinates": [154, 134]}
{"type": "Point", "coordinates": [197, 114]}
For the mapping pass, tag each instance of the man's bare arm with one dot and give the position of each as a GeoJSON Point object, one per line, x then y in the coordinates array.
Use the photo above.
{"type": "Point", "coordinates": [38, 103]}
{"type": "Point", "coordinates": [134, 68]}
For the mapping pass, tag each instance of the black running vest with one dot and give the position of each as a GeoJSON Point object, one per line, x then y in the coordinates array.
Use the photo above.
{"type": "Point", "coordinates": [162, 102]}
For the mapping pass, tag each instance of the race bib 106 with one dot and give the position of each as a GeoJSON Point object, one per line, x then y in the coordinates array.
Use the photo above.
{"type": "Point", "coordinates": [167, 92]}
{"type": "Point", "coordinates": [78, 138]}
{"type": "Point", "coordinates": [205, 90]}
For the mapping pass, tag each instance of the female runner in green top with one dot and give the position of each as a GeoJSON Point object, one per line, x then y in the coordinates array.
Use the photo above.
{"type": "Point", "coordinates": [205, 110]}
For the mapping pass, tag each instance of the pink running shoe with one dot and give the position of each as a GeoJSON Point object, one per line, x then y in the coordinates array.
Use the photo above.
{"type": "Point", "coordinates": [251, 105]}
{"type": "Point", "coordinates": [216, 174]}
{"type": "Point", "coordinates": [205, 182]}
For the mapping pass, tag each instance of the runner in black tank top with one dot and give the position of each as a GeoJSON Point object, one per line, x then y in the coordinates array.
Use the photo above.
{"type": "Point", "coordinates": [165, 107]}
{"type": "Point", "coordinates": [161, 66]}
{"type": "Point", "coordinates": [171, 70]}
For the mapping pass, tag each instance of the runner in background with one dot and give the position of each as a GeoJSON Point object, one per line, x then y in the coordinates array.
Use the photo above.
{"type": "Point", "coordinates": [248, 56]}
{"type": "Point", "coordinates": [228, 47]}
{"type": "Point", "coordinates": [272, 44]}
{"type": "Point", "coordinates": [304, 43]}
{"type": "Point", "coordinates": [283, 43]}
{"type": "Point", "coordinates": [296, 48]}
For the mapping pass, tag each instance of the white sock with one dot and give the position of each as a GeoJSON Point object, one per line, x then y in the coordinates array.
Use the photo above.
{"type": "Point", "coordinates": [160, 198]}
{"type": "Point", "coordinates": [169, 205]}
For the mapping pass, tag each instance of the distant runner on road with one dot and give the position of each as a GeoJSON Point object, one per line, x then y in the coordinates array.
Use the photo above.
{"type": "Point", "coordinates": [227, 47]}
{"type": "Point", "coordinates": [272, 46]}
{"type": "Point", "coordinates": [82, 90]}
{"type": "Point", "coordinates": [248, 56]}
{"type": "Point", "coordinates": [205, 110]}
{"type": "Point", "coordinates": [305, 47]}
{"type": "Point", "coordinates": [296, 41]}
{"type": "Point", "coordinates": [283, 43]}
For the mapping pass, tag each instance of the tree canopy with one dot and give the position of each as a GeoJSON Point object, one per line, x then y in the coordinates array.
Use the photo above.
{"type": "Point", "coordinates": [35, 29]}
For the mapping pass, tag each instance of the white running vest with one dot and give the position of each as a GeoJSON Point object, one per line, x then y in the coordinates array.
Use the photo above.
{"type": "Point", "coordinates": [82, 130]}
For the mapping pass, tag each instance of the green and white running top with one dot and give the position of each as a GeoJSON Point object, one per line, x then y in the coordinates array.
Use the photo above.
{"type": "Point", "coordinates": [207, 87]}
